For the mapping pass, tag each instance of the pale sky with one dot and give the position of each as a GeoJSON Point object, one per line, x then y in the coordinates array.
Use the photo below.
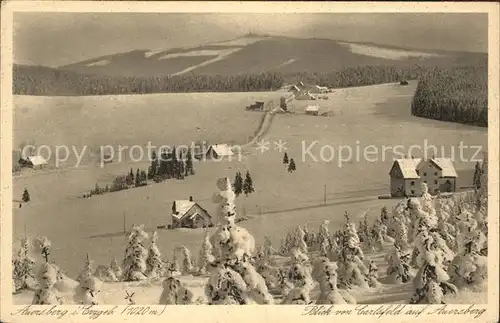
{"type": "Point", "coordinates": [55, 39]}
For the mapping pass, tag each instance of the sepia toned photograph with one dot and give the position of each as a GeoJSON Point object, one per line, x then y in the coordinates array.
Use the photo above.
{"type": "Point", "coordinates": [250, 158]}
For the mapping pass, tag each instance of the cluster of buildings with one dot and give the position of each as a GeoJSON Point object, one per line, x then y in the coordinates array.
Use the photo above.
{"type": "Point", "coordinates": [33, 161]}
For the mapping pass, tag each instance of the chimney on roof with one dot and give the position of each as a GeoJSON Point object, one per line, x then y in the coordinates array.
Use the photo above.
{"type": "Point", "coordinates": [190, 199]}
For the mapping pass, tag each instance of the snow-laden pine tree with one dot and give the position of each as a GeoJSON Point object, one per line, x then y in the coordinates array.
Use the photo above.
{"type": "Point", "coordinates": [364, 232]}
{"type": "Point", "coordinates": [373, 275]}
{"type": "Point", "coordinates": [268, 247]}
{"type": "Point", "coordinates": [115, 267]}
{"type": "Point", "coordinates": [206, 257]}
{"type": "Point", "coordinates": [134, 262]}
{"type": "Point", "coordinates": [400, 233]}
{"type": "Point", "coordinates": [265, 266]}
{"type": "Point", "coordinates": [352, 270]}
{"type": "Point", "coordinates": [377, 236]}
{"type": "Point", "coordinates": [325, 273]}
{"type": "Point", "coordinates": [233, 278]}
{"type": "Point", "coordinates": [430, 284]}
{"type": "Point", "coordinates": [225, 286]}
{"type": "Point", "coordinates": [299, 278]}
{"type": "Point", "coordinates": [256, 284]}
{"type": "Point", "coordinates": [42, 246]}
{"type": "Point", "coordinates": [187, 263]}
{"type": "Point", "coordinates": [469, 268]}
{"type": "Point", "coordinates": [324, 233]}
{"type": "Point", "coordinates": [300, 242]}
{"type": "Point", "coordinates": [105, 273]}
{"type": "Point", "coordinates": [89, 286]}
{"type": "Point", "coordinates": [46, 294]}
{"type": "Point", "coordinates": [154, 264]}
{"type": "Point", "coordinates": [446, 229]}
{"type": "Point", "coordinates": [175, 292]}
{"type": "Point", "coordinates": [23, 268]}
{"type": "Point", "coordinates": [398, 269]}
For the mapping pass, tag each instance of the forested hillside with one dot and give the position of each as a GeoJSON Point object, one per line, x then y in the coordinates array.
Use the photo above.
{"type": "Point", "coordinates": [458, 94]}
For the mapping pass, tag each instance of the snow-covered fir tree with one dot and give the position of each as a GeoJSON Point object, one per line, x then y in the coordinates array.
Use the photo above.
{"type": "Point", "coordinates": [115, 267]}
{"type": "Point", "coordinates": [225, 200]}
{"type": "Point", "coordinates": [105, 273]}
{"type": "Point", "coordinates": [154, 263]}
{"type": "Point", "coordinates": [187, 263]}
{"type": "Point", "coordinates": [377, 236]}
{"type": "Point", "coordinates": [430, 284]}
{"type": "Point", "coordinates": [268, 247]}
{"type": "Point", "coordinates": [364, 232]}
{"type": "Point", "coordinates": [233, 278]}
{"type": "Point", "coordinates": [225, 286]}
{"type": "Point", "coordinates": [469, 268]}
{"type": "Point", "coordinates": [206, 257]}
{"type": "Point", "coordinates": [42, 246]}
{"type": "Point", "coordinates": [398, 269]}
{"type": "Point", "coordinates": [325, 273]}
{"type": "Point", "coordinates": [23, 268]}
{"type": "Point", "coordinates": [373, 275]}
{"type": "Point", "coordinates": [134, 262]}
{"type": "Point", "coordinates": [46, 294]}
{"type": "Point", "coordinates": [174, 291]}
{"type": "Point", "coordinates": [352, 270]}
{"type": "Point", "coordinates": [89, 286]}
{"type": "Point", "coordinates": [400, 233]}
{"type": "Point", "coordinates": [446, 229]}
{"type": "Point", "coordinates": [256, 284]}
{"type": "Point", "coordinates": [300, 242]}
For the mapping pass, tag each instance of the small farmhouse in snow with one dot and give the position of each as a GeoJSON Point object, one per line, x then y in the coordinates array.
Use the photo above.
{"type": "Point", "coordinates": [257, 106]}
{"type": "Point", "coordinates": [189, 214]}
{"type": "Point", "coordinates": [219, 151]}
{"type": "Point", "coordinates": [33, 162]}
{"type": "Point", "coordinates": [312, 110]}
{"type": "Point", "coordinates": [408, 174]}
{"type": "Point", "coordinates": [319, 89]}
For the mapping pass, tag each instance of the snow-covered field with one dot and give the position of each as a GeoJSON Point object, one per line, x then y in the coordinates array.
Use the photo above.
{"type": "Point", "coordinates": [376, 115]}
{"type": "Point", "coordinates": [387, 53]}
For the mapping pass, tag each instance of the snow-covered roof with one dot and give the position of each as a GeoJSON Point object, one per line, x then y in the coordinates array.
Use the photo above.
{"type": "Point", "coordinates": [182, 207]}
{"type": "Point", "coordinates": [408, 167]}
{"type": "Point", "coordinates": [36, 160]}
{"type": "Point", "coordinates": [446, 166]}
{"type": "Point", "coordinates": [312, 108]}
{"type": "Point", "coordinates": [222, 150]}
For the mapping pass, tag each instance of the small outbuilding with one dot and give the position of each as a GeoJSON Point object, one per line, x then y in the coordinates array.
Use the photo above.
{"type": "Point", "coordinates": [35, 162]}
{"type": "Point", "coordinates": [257, 106]}
{"type": "Point", "coordinates": [219, 151]}
{"type": "Point", "coordinates": [312, 110]}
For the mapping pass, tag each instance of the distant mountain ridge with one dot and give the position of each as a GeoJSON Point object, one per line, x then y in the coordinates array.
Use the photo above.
{"type": "Point", "coordinates": [249, 63]}
{"type": "Point", "coordinates": [254, 53]}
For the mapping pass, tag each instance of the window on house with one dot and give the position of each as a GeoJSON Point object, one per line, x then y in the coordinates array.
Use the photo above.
{"type": "Point", "coordinates": [412, 183]}
{"type": "Point", "coordinates": [412, 192]}
{"type": "Point", "coordinates": [435, 182]}
{"type": "Point", "coordinates": [435, 174]}
{"type": "Point", "coordinates": [425, 174]}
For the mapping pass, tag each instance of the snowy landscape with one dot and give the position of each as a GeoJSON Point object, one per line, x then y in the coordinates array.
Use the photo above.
{"type": "Point", "coordinates": [248, 217]}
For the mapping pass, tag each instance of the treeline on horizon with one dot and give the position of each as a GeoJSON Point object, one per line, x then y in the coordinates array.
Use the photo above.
{"type": "Point", "coordinates": [36, 80]}
{"type": "Point", "coordinates": [458, 94]}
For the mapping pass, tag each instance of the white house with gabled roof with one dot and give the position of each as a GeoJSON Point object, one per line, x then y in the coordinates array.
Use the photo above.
{"type": "Point", "coordinates": [407, 175]}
